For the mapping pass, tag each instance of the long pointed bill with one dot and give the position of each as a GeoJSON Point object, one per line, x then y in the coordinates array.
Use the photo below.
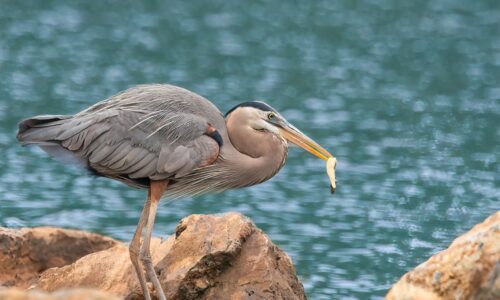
{"type": "Point", "coordinates": [295, 136]}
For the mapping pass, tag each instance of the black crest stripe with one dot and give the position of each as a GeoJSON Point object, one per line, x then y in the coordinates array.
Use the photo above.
{"type": "Point", "coordinates": [256, 104]}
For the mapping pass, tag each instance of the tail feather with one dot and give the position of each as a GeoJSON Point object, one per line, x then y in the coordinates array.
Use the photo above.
{"type": "Point", "coordinates": [41, 129]}
{"type": "Point", "coordinates": [48, 132]}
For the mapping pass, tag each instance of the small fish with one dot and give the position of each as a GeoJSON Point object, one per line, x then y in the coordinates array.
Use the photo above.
{"type": "Point", "coordinates": [331, 163]}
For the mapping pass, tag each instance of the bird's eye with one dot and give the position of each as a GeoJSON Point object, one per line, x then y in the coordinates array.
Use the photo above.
{"type": "Point", "coordinates": [271, 116]}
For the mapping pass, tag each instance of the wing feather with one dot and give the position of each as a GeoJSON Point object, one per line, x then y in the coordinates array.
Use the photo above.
{"type": "Point", "coordinates": [145, 168]}
{"type": "Point", "coordinates": [130, 160]}
{"type": "Point", "coordinates": [150, 131]}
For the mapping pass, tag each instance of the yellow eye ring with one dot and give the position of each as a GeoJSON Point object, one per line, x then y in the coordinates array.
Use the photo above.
{"type": "Point", "coordinates": [271, 116]}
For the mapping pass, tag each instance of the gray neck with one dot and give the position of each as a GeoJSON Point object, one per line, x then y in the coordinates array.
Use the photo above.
{"type": "Point", "coordinates": [255, 156]}
{"type": "Point", "coordinates": [248, 157]}
{"type": "Point", "coordinates": [245, 170]}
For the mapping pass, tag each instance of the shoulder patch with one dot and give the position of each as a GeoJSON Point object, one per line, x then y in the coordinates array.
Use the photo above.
{"type": "Point", "coordinates": [213, 133]}
{"type": "Point", "coordinates": [216, 136]}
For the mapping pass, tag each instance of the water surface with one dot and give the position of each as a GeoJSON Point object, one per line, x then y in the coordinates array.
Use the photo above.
{"type": "Point", "coordinates": [405, 95]}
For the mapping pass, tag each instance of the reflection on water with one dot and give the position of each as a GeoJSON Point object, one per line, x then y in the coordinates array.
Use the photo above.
{"type": "Point", "coordinates": [406, 95]}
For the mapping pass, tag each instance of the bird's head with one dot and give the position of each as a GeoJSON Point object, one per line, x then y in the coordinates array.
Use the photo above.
{"type": "Point", "coordinates": [263, 118]}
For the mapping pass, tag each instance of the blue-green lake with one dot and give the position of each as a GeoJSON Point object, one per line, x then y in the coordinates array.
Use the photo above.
{"type": "Point", "coordinates": [406, 95]}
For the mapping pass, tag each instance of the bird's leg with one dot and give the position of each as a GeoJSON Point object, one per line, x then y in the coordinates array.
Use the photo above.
{"type": "Point", "coordinates": [156, 190]}
{"type": "Point", "coordinates": [135, 246]}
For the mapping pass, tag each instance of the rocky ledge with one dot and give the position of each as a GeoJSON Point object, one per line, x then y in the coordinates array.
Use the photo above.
{"type": "Point", "coordinates": [468, 269]}
{"type": "Point", "coordinates": [208, 257]}
{"type": "Point", "coordinates": [219, 257]}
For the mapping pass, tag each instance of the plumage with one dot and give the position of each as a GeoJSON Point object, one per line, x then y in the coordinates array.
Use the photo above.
{"type": "Point", "coordinates": [140, 133]}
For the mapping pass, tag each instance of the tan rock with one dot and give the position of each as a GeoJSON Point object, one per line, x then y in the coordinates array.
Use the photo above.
{"type": "Point", "coordinates": [468, 269]}
{"type": "Point", "coordinates": [74, 294]}
{"type": "Point", "coordinates": [109, 270]}
{"type": "Point", "coordinates": [234, 260]}
{"type": "Point", "coordinates": [209, 257]}
{"type": "Point", "coordinates": [26, 252]}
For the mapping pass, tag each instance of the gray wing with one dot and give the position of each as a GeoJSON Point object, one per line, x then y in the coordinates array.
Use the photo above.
{"type": "Point", "coordinates": [148, 132]}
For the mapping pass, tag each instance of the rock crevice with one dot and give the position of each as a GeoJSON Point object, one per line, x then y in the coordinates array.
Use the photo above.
{"type": "Point", "coordinates": [27, 252]}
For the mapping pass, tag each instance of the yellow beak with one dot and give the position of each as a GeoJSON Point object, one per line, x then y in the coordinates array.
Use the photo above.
{"type": "Point", "coordinates": [295, 136]}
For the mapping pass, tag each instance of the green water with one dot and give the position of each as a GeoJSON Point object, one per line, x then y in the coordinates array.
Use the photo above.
{"type": "Point", "coordinates": [406, 94]}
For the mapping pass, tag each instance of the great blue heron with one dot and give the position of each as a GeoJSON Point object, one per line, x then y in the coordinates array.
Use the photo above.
{"type": "Point", "coordinates": [172, 142]}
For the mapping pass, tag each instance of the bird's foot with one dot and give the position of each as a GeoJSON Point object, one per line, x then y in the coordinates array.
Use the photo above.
{"type": "Point", "coordinates": [138, 293]}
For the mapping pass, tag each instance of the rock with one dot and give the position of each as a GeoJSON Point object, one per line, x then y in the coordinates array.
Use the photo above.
{"type": "Point", "coordinates": [109, 270]}
{"type": "Point", "coordinates": [74, 294]}
{"type": "Point", "coordinates": [234, 260]}
{"type": "Point", "coordinates": [26, 252]}
{"type": "Point", "coordinates": [468, 269]}
{"type": "Point", "coordinates": [208, 257]}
